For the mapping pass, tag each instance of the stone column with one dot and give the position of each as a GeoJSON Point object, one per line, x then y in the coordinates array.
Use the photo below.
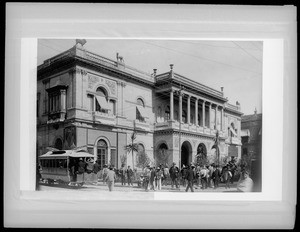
{"type": "Point", "coordinates": [209, 111]}
{"type": "Point", "coordinates": [196, 112]}
{"type": "Point", "coordinates": [171, 105]}
{"type": "Point", "coordinates": [222, 118]}
{"type": "Point", "coordinates": [203, 113]}
{"type": "Point", "coordinates": [189, 110]}
{"type": "Point", "coordinates": [216, 121]}
{"type": "Point", "coordinates": [62, 103]}
{"type": "Point", "coordinates": [180, 107]}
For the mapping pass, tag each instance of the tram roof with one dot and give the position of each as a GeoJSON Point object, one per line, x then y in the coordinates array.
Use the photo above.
{"type": "Point", "coordinates": [66, 153]}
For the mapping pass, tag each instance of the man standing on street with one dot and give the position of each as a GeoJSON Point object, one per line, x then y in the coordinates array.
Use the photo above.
{"type": "Point", "coordinates": [123, 173]}
{"type": "Point", "coordinates": [110, 178]}
{"type": "Point", "coordinates": [190, 176]}
{"type": "Point", "coordinates": [174, 172]}
{"type": "Point", "coordinates": [203, 174]}
{"type": "Point", "coordinates": [129, 176]}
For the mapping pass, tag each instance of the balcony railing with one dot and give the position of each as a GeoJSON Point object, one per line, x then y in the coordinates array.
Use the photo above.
{"type": "Point", "coordinates": [184, 127]}
{"type": "Point", "coordinates": [104, 118]}
{"type": "Point", "coordinates": [235, 140]}
{"type": "Point", "coordinates": [141, 125]}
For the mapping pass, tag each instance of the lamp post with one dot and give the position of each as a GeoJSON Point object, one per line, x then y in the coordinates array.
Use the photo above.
{"type": "Point", "coordinates": [180, 94]}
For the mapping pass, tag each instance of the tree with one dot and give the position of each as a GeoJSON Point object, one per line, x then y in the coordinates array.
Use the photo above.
{"type": "Point", "coordinates": [132, 147]}
{"type": "Point", "coordinates": [216, 146]}
{"type": "Point", "coordinates": [142, 160]}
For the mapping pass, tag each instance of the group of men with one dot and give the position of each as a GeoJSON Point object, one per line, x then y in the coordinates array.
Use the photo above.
{"type": "Point", "coordinates": [153, 178]}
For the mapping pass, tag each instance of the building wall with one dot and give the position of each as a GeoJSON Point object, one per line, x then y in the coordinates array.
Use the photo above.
{"type": "Point", "coordinates": [82, 81]}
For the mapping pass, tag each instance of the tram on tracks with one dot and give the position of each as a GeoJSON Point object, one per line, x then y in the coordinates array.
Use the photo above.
{"type": "Point", "coordinates": [61, 167]}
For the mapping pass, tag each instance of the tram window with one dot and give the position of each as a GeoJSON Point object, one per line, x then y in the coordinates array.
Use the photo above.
{"type": "Point", "coordinates": [57, 163]}
{"type": "Point", "coordinates": [46, 163]}
{"type": "Point", "coordinates": [65, 163]}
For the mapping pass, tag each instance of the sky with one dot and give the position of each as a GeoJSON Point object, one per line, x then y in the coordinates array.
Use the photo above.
{"type": "Point", "coordinates": [234, 65]}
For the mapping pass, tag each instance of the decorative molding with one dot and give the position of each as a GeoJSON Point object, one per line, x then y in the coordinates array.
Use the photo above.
{"type": "Point", "coordinates": [111, 85]}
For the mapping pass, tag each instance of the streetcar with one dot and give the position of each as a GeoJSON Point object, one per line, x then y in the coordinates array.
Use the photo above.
{"type": "Point", "coordinates": [55, 166]}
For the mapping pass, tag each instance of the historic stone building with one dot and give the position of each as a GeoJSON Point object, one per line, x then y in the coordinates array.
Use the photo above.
{"type": "Point", "coordinates": [84, 99]}
{"type": "Point", "coordinates": [251, 135]}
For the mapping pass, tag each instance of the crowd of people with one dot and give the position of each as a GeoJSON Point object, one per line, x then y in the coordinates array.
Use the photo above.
{"type": "Point", "coordinates": [154, 177]}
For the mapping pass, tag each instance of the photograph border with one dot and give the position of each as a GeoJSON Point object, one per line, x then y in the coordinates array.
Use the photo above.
{"type": "Point", "coordinates": [35, 209]}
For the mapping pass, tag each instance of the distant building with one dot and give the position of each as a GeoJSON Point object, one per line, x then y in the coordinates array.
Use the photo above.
{"type": "Point", "coordinates": [252, 145]}
{"type": "Point", "coordinates": [84, 99]}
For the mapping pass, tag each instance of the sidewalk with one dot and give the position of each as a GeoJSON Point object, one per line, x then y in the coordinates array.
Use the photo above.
{"type": "Point", "coordinates": [125, 188]}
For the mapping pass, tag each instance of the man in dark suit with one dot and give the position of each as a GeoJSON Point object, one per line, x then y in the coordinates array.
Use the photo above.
{"type": "Point", "coordinates": [190, 176]}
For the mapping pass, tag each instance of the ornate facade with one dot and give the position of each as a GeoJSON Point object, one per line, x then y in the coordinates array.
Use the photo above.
{"type": "Point", "coordinates": [84, 99]}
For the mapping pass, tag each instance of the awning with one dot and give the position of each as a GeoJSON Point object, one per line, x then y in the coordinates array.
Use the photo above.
{"type": "Point", "coordinates": [233, 131]}
{"type": "Point", "coordinates": [102, 102]}
{"type": "Point", "coordinates": [233, 151]}
{"type": "Point", "coordinates": [142, 111]}
{"type": "Point", "coordinates": [245, 133]}
{"type": "Point", "coordinates": [66, 153]}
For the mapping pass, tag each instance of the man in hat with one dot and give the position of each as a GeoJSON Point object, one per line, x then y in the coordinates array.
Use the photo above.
{"type": "Point", "coordinates": [110, 178]}
{"type": "Point", "coordinates": [129, 172]}
{"type": "Point", "coordinates": [152, 178]}
{"type": "Point", "coordinates": [190, 176]}
{"type": "Point", "coordinates": [245, 183]}
{"type": "Point", "coordinates": [174, 172]}
{"type": "Point", "coordinates": [123, 173]}
{"type": "Point", "coordinates": [147, 174]}
{"type": "Point", "coordinates": [158, 177]}
{"type": "Point", "coordinates": [183, 174]}
{"type": "Point", "coordinates": [104, 172]}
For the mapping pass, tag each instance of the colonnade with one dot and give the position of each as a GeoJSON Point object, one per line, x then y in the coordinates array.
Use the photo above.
{"type": "Point", "coordinates": [197, 101]}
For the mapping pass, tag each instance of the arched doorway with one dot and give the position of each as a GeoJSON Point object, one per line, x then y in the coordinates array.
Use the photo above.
{"type": "Point", "coordinates": [201, 158]}
{"type": "Point", "coordinates": [186, 153]}
{"type": "Point", "coordinates": [162, 154]}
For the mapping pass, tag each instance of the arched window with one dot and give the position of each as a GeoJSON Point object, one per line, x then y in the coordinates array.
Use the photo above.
{"type": "Point", "coordinates": [140, 148]}
{"type": "Point", "coordinates": [142, 160]}
{"type": "Point", "coordinates": [162, 154]}
{"type": "Point", "coordinates": [101, 92]}
{"type": "Point", "coordinates": [201, 157]}
{"type": "Point", "coordinates": [140, 110]}
{"type": "Point", "coordinates": [102, 152]}
{"type": "Point", "coordinates": [101, 100]}
{"type": "Point", "coordinates": [140, 102]}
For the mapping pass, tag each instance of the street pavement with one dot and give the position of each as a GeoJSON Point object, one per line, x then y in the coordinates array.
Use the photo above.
{"type": "Point", "coordinates": [118, 187]}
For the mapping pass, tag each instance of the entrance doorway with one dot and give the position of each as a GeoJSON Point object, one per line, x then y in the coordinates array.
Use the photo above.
{"type": "Point", "coordinates": [186, 153]}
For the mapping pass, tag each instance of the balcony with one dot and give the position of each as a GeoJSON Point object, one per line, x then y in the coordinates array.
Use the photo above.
{"type": "Point", "coordinates": [103, 118]}
{"type": "Point", "coordinates": [235, 140]}
{"type": "Point", "coordinates": [186, 128]}
{"type": "Point", "coordinates": [55, 117]}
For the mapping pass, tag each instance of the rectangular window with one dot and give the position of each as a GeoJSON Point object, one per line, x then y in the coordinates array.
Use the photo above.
{"type": "Point", "coordinates": [90, 102]}
{"type": "Point", "coordinates": [113, 155]}
{"type": "Point", "coordinates": [54, 102]}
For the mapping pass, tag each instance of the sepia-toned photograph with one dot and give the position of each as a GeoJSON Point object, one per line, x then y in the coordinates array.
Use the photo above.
{"type": "Point", "coordinates": [134, 115]}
